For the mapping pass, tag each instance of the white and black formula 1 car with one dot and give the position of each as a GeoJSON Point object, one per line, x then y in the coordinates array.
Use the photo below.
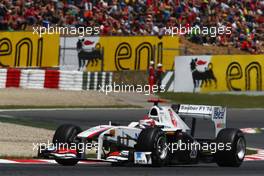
{"type": "Point", "coordinates": [161, 138]}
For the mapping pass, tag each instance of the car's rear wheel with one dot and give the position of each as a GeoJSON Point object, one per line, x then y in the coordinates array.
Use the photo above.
{"type": "Point", "coordinates": [66, 134]}
{"type": "Point", "coordinates": [153, 140]}
{"type": "Point", "coordinates": [235, 156]}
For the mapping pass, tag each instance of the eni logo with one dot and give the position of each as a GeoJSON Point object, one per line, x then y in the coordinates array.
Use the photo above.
{"type": "Point", "coordinates": [235, 72]}
{"type": "Point", "coordinates": [144, 50]}
{"type": "Point", "coordinates": [25, 43]}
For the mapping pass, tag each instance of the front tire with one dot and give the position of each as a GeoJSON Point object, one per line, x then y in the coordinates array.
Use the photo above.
{"type": "Point", "coordinates": [235, 156]}
{"type": "Point", "coordinates": [66, 134]}
{"type": "Point", "coordinates": [153, 140]}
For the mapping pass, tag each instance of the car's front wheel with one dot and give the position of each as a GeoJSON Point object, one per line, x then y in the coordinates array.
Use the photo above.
{"type": "Point", "coordinates": [153, 140]}
{"type": "Point", "coordinates": [66, 134]}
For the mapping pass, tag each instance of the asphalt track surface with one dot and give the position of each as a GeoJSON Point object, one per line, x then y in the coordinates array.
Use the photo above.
{"type": "Point", "coordinates": [90, 117]}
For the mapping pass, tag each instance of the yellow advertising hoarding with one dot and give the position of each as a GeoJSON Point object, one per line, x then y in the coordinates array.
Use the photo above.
{"type": "Point", "coordinates": [135, 52]}
{"type": "Point", "coordinates": [24, 49]}
{"type": "Point", "coordinates": [219, 73]}
{"type": "Point", "coordinates": [237, 73]}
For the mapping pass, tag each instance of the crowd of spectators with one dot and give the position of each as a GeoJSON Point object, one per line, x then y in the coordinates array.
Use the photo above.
{"type": "Point", "coordinates": [144, 17]}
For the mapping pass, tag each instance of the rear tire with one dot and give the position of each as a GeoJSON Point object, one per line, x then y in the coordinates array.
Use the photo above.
{"type": "Point", "coordinates": [153, 140]}
{"type": "Point", "coordinates": [66, 134]}
{"type": "Point", "coordinates": [235, 156]}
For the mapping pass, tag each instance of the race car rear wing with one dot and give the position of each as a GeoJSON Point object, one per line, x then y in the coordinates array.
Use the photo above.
{"type": "Point", "coordinates": [216, 114]}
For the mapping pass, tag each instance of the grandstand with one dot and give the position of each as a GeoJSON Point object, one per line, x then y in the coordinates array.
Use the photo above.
{"type": "Point", "coordinates": [145, 17]}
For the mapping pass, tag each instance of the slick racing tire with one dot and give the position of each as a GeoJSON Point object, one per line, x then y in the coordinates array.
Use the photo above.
{"type": "Point", "coordinates": [153, 140]}
{"type": "Point", "coordinates": [66, 134]}
{"type": "Point", "coordinates": [231, 157]}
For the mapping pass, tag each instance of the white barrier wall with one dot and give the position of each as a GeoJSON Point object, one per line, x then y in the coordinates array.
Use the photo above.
{"type": "Point", "coordinates": [32, 79]}
{"type": "Point", "coordinates": [64, 80]}
{"type": "Point", "coordinates": [71, 80]}
{"type": "Point", "coordinates": [2, 78]}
